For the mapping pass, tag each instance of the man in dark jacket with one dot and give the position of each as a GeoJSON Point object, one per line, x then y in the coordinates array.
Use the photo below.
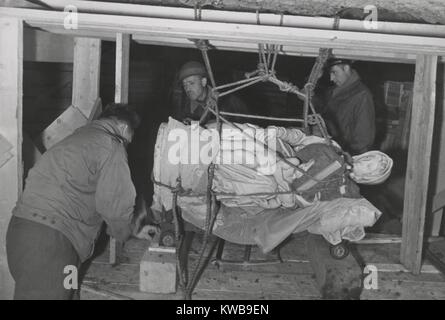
{"type": "Point", "coordinates": [349, 111]}
{"type": "Point", "coordinates": [193, 77]}
{"type": "Point", "coordinates": [77, 184]}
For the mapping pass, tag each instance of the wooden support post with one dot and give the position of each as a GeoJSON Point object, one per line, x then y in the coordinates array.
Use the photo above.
{"type": "Point", "coordinates": [86, 78]}
{"type": "Point", "coordinates": [11, 95]}
{"type": "Point", "coordinates": [418, 169]}
{"type": "Point", "coordinates": [86, 74]}
{"type": "Point", "coordinates": [31, 154]}
{"type": "Point", "coordinates": [120, 96]}
{"type": "Point", "coordinates": [122, 68]}
{"type": "Point", "coordinates": [71, 119]}
{"type": "Point", "coordinates": [439, 198]}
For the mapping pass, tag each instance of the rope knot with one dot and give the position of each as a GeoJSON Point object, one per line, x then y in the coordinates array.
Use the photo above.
{"type": "Point", "coordinates": [309, 86]}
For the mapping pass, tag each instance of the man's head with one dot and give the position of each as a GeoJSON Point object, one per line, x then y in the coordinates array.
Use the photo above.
{"type": "Point", "coordinates": [126, 118]}
{"type": "Point", "coordinates": [339, 71]}
{"type": "Point", "coordinates": [193, 77]}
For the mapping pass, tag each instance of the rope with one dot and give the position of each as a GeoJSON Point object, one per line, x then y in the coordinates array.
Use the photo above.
{"type": "Point", "coordinates": [272, 68]}
{"type": "Point", "coordinates": [190, 194]}
{"type": "Point", "coordinates": [265, 72]}
{"type": "Point", "coordinates": [178, 237]}
{"type": "Point", "coordinates": [279, 155]}
{"type": "Point", "coordinates": [210, 218]}
{"type": "Point", "coordinates": [287, 87]}
{"type": "Point", "coordinates": [315, 75]}
{"type": "Point", "coordinates": [209, 223]}
{"type": "Point", "coordinates": [204, 48]}
{"type": "Point", "coordinates": [235, 83]}
{"type": "Point", "coordinates": [336, 22]}
{"type": "Point", "coordinates": [241, 115]}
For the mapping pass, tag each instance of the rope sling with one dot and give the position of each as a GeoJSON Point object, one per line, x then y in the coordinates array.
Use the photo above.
{"type": "Point", "coordinates": [265, 72]}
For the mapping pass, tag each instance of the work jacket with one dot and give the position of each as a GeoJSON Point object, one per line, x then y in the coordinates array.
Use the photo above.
{"type": "Point", "coordinates": [228, 103]}
{"type": "Point", "coordinates": [79, 183]}
{"type": "Point", "coordinates": [350, 116]}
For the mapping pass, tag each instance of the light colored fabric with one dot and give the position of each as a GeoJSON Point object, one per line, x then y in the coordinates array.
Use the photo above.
{"type": "Point", "coordinates": [345, 219]}
{"type": "Point", "coordinates": [372, 167]}
{"type": "Point", "coordinates": [264, 174]}
{"type": "Point", "coordinates": [335, 220]}
{"type": "Point", "coordinates": [265, 220]}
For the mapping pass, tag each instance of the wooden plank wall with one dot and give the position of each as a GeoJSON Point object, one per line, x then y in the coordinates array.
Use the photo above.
{"type": "Point", "coordinates": [11, 72]}
{"type": "Point", "coordinates": [47, 89]}
{"type": "Point", "coordinates": [48, 47]}
{"type": "Point", "coordinates": [417, 176]}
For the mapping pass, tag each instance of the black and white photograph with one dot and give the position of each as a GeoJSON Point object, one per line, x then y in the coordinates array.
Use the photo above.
{"type": "Point", "coordinates": [222, 155]}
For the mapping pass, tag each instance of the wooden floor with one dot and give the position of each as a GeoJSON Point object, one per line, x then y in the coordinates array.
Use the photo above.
{"type": "Point", "coordinates": [293, 279]}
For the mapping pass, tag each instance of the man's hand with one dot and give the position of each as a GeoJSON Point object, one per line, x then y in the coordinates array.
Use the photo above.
{"type": "Point", "coordinates": [147, 232]}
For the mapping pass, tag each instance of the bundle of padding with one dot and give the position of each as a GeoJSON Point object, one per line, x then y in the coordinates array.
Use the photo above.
{"type": "Point", "coordinates": [372, 167]}
{"type": "Point", "coordinates": [271, 182]}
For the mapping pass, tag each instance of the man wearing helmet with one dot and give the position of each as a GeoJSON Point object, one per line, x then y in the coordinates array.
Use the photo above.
{"type": "Point", "coordinates": [194, 79]}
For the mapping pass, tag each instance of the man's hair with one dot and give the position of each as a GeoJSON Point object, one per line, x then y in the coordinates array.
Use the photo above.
{"type": "Point", "coordinates": [122, 112]}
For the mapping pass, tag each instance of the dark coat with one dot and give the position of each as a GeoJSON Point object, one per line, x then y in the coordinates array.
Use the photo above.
{"type": "Point", "coordinates": [350, 116]}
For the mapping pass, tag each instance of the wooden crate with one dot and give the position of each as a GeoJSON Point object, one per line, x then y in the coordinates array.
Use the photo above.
{"type": "Point", "coordinates": [158, 270]}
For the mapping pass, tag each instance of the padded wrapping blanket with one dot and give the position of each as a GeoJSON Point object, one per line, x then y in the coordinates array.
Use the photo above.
{"type": "Point", "coordinates": [334, 209]}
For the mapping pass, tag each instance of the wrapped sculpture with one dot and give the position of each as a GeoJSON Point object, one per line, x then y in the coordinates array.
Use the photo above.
{"type": "Point", "coordinates": [270, 182]}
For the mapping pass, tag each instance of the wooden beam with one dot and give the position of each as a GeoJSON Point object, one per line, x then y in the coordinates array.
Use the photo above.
{"type": "Point", "coordinates": [96, 111]}
{"type": "Point", "coordinates": [85, 97]}
{"type": "Point", "coordinates": [267, 14]}
{"type": "Point", "coordinates": [71, 119]}
{"type": "Point", "coordinates": [335, 39]}
{"type": "Point", "coordinates": [86, 74]}
{"type": "Point", "coordinates": [288, 50]}
{"type": "Point", "coordinates": [31, 154]}
{"type": "Point", "coordinates": [120, 96]}
{"type": "Point", "coordinates": [18, 3]}
{"type": "Point", "coordinates": [72, 33]}
{"type": "Point", "coordinates": [418, 169]}
{"type": "Point", "coordinates": [11, 100]}
{"type": "Point", "coordinates": [122, 67]}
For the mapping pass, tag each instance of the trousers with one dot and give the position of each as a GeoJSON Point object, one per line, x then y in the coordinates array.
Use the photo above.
{"type": "Point", "coordinates": [42, 261]}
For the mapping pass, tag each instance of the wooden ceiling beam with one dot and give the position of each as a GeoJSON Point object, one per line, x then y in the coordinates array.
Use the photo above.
{"type": "Point", "coordinates": [238, 33]}
{"type": "Point", "coordinates": [288, 50]}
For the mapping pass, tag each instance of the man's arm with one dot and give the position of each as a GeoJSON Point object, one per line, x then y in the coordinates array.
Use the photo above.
{"type": "Point", "coordinates": [115, 195]}
{"type": "Point", "coordinates": [364, 127]}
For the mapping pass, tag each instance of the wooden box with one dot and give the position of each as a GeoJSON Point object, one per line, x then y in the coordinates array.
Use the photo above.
{"type": "Point", "coordinates": [158, 270]}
